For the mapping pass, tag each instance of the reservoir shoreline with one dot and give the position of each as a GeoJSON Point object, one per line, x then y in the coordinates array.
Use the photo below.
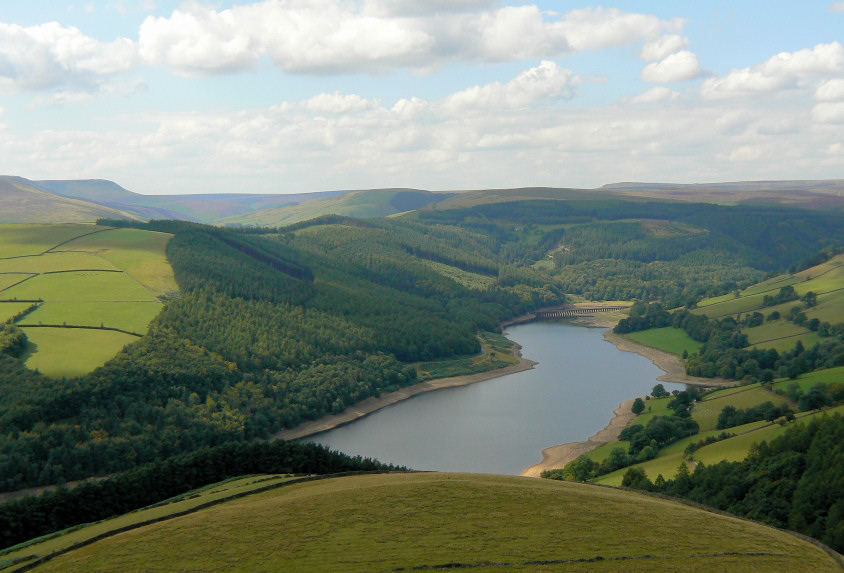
{"type": "Point", "coordinates": [373, 404]}
{"type": "Point", "coordinates": [552, 457]}
{"type": "Point", "coordinates": [556, 457]}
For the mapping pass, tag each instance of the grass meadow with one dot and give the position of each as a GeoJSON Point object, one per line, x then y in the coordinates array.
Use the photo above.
{"type": "Point", "coordinates": [497, 353]}
{"type": "Point", "coordinates": [806, 381]}
{"type": "Point", "coordinates": [398, 522]}
{"type": "Point", "coordinates": [129, 316]}
{"type": "Point", "coordinates": [67, 352]}
{"type": "Point", "coordinates": [673, 340]}
{"type": "Point", "coordinates": [10, 309]}
{"type": "Point", "coordinates": [139, 254]}
{"type": "Point", "coordinates": [466, 278]}
{"type": "Point", "coordinates": [18, 240]}
{"type": "Point", "coordinates": [826, 280]}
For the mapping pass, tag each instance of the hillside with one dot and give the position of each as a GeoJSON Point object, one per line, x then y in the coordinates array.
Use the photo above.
{"type": "Point", "coordinates": [401, 522]}
{"type": "Point", "coordinates": [369, 203]}
{"type": "Point", "coordinates": [823, 194]}
{"type": "Point", "coordinates": [772, 324]}
{"type": "Point", "coordinates": [207, 208]}
{"type": "Point", "coordinates": [21, 201]}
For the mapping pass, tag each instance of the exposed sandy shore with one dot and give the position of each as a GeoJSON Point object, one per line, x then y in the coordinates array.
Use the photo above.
{"type": "Point", "coordinates": [558, 456]}
{"type": "Point", "coordinates": [371, 405]}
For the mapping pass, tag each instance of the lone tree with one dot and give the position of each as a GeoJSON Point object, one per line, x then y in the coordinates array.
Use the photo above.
{"type": "Point", "coordinates": [638, 406]}
{"type": "Point", "coordinates": [659, 391]}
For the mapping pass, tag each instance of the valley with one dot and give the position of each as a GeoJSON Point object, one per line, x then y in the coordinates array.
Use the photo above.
{"type": "Point", "coordinates": [128, 344]}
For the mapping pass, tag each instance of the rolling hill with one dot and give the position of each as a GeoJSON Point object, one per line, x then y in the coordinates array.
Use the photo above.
{"type": "Point", "coordinates": [22, 201]}
{"type": "Point", "coordinates": [369, 203]}
{"type": "Point", "coordinates": [407, 522]}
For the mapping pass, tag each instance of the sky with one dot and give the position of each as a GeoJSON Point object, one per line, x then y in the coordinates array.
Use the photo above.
{"type": "Point", "coordinates": [292, 96]}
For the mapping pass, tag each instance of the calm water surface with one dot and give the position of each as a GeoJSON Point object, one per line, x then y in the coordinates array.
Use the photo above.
{"type": "Point", "coordinates": [502, 425]}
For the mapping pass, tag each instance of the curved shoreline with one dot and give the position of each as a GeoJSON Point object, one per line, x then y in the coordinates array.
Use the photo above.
{"type": "Point", "coordinates": [373, 404]}
{"type": "Point", "coordinates": [556, 457]}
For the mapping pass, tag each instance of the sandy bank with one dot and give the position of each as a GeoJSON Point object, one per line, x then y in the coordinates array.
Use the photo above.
{"type": "Point", "coordinates": [558, 456]}
{"type": "Point", "coordinates": [373, 404]}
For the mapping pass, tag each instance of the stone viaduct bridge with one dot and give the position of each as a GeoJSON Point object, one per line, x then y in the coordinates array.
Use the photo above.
{"type": "Point", "coordinates": [575, 311]}
{"type": "Point", "coordinates": [564, 312]}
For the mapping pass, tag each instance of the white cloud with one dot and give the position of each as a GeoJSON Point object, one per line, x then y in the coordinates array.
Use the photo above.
{"type": "Point", "coordinates": [830, 90]}
{"type": "Point", "coordinates": [836, 7]}
{"type": "Point", "coordinates": [784, 71]}
{"type": "Point", "coordinates": [337, 103]}
{"type": "Point", "coordinates": [547, 82]}
{"type": "Point", "coordinates": [331, 36]}
{"type": "Point", "coordinates": [655, 95]}
{"type": "Point", "coordinates": [417, 8]}
{"type": "Point", "coordinates": [596, 28]}
{"type": "Point", "coordinates": [663, 46]}
{"type": "Point", "coordinates": [745, 153]}
{"type": "Point", "coordinates": [678, 67]}
{"type": "Point", "coordinates": [829, 112]}
{"type": "Point", "coordinates": [51, 55]}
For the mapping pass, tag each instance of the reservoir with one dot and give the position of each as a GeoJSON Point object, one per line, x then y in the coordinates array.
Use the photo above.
{"type": "Point", "coordinates": [502, 425]}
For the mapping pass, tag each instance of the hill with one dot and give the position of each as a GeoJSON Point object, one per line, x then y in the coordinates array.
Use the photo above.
{"type": "Point", "coordinates": [767, 306]}
{"type": "Point", "coordinates": [369, 203]}
{"type": "Point", "coordinates": [824, 194]}
{"type": "Point", "coordinates": [207, 208]}
{"type": "Point", "coordinates": [403, 522]}
{"type": "Point", "coordinates": [22, 201]}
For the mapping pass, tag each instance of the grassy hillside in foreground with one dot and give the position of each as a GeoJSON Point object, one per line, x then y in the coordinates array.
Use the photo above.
{"type": "Point", "coordinates": [398, 522]}
{"type": "Point", "coordinates": [97, 288]}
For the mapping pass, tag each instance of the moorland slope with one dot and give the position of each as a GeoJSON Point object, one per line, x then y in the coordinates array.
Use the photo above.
{"type": "Point", "coordinates": [404, 522]}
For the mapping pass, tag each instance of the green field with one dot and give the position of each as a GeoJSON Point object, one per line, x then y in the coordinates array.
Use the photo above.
{"type": "Point", "coordinates": [806, 381]}
{"type": "Point", "coordinates": [826, 280]}
{"type": "Point", "coordinates": [466, 278]}
{"type": "Point", "coordinates": [10, 309]}
{"type": "Point", "coordinates": [706, 412]}
{"type": "Point", "coordinates": [129, 316]}
{"type": "Point", "coordinates": [31, 239]}
{"type": "Point", "coordinates": [673, 340]}
{"type": "Point", "coordinates": [431, 521]}
{"type": "Point", "coordinates": [55, 261]}
{"type": "Point", "coordinates": [140, 254]}
{"type": "Point", "coordinates": [69, 352]}
{"type": "Point", "coordinates": [87, 276]}
{"type": "Point", "coordinates": [81, 286]}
